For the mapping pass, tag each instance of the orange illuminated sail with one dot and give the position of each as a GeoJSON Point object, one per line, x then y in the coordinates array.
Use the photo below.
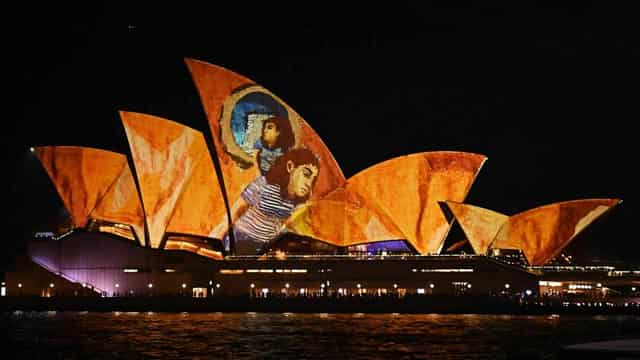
{"type": "Point", "coordinates": [236, 109]}
{"type": "Point", "coordinates": [201, 206]}
{"type": "Point", "coordinates": [479, 225]}
{"type": "Point", "coordinates": [543, 232]}
{"type": "Point", "coordinates": [408, 189]}
{"type": "Point", "coordinates": [171, 163]}
{"type": "Point", "coordinates": [82, 176]}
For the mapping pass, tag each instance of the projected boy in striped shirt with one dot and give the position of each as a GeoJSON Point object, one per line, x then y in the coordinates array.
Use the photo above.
{"type": "Point", "coordinates": [268, 201]}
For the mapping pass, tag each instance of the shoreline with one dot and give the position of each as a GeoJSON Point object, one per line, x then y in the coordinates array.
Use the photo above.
{"type": "Point", "coordinates": [416, 305]}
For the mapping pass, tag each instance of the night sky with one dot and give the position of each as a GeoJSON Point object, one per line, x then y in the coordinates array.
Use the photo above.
{"type": "Point", "coordinates": [547, 90]}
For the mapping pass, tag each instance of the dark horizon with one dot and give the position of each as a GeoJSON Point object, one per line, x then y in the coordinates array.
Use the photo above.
{"type": "Point", "coordinates": [546, 92]}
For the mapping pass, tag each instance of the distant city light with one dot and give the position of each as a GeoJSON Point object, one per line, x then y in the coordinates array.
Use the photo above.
{"type": "Point", "coordinates": [359, 286]}
{"type": "Point", "coordinates": [150, 285]}
{"type": "Point", "coordinates": [286, 285]}
{"type": "Point", "coordinates": [32, 149]}
{"type": "Point", "coordinates": [633, 288]}
{"type": "Point", "coordinates": [218, 285]}
{"type": "Point", "coordinates": [19, 285]}
{"type": "Point", "coordinates": [252, 285]}
{"type": "Point", "coordinates": [84, 285]}
{"type": "Point", "coordinates": [210, 282]}
{"type": "Point", "coordinates": [506, 286]}
{"type": "Point", "coordinates": [469, 286]}
{"type": "Point", "coordinates": [599, 285]}
{"type": "Point", "coordinates": [395, 286]}
{"type": "Point", "coordinates": [432, 285]}
{"type": "Point", "coordinates": [184, 286]}
{"type": "Point", "coordinates": [117, 285]}
{"type": "Point", "coordinates": [528, 292]}
{"type": "Point", "coordinates": [51, 285]}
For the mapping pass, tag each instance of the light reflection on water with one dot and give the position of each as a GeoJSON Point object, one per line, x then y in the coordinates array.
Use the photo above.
{"type": "Point", "coordinates": [250, 335]}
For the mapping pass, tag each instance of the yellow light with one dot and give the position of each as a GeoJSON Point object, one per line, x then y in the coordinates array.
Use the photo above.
{"type": "Point", "coordinates": [286, 285]}
{"type": "Point", "coordinates": [51, 285]}
{"type": "Point", "coordinates": [19, 285]}
{"type": "Point", "coordinates": [395, 286]}
{"type": "Point", "coordinates": [252, 285]}
{"type": "Point", "coordinates": [230, 272]}
{"type": "Point", "coordinates": [184, 286]}
{"type": "Point", "coordinates": [359, 286]}
{"type": "Point", "coordinates": [507, 286]}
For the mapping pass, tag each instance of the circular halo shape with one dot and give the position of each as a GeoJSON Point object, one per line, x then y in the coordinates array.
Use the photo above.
{"type": "Point", "coordinates": [242, 158]}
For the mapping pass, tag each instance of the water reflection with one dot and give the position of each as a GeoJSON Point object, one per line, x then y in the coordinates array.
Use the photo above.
{"type": "Point", "coordinates": [315, 336]}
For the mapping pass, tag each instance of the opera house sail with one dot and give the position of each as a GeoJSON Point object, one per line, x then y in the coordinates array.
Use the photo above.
{"type": "Point", "coordinates": [540, 233]}
{"type": "Point", "coordinates": [179, 187]}
{"type": "Point", "coordinates": [94, 184]}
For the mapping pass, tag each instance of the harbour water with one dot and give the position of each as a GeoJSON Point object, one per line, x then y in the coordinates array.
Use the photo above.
{"type": "Point", "coordinates": [248, 335]}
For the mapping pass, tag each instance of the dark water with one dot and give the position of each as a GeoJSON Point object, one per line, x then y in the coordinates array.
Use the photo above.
{"type": "Point", "coordinates": [78, 335]}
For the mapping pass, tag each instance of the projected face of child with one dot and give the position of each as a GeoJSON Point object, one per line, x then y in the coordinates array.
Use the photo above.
{"type": "Point", "coordinates": [301, 179]}
{"type": "Point", "coordinates": [270, 134]}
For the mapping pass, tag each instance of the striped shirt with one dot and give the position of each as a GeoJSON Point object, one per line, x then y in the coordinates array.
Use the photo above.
{"type": "Point", "coordinates": [267, 210]}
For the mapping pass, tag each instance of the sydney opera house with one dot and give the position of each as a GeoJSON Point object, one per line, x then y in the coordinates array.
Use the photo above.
{"type": "Point", "coordinates": [257, 204]}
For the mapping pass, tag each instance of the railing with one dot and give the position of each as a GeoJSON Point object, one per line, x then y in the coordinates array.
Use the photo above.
{"type": "Point", "coordinates": [353, 257]}
{"type": "Point", "coordinates": [67, 277]}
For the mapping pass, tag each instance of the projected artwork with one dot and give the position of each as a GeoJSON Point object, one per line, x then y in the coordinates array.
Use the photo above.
{"type": "Point", "coordinates": [252, 131]}
{"type": "Point", "coordinates": [268, 201]}
{"type": "Point", "coordinates": [278, 182]}
{"type": "Point", "coordinates": [260, 129]}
